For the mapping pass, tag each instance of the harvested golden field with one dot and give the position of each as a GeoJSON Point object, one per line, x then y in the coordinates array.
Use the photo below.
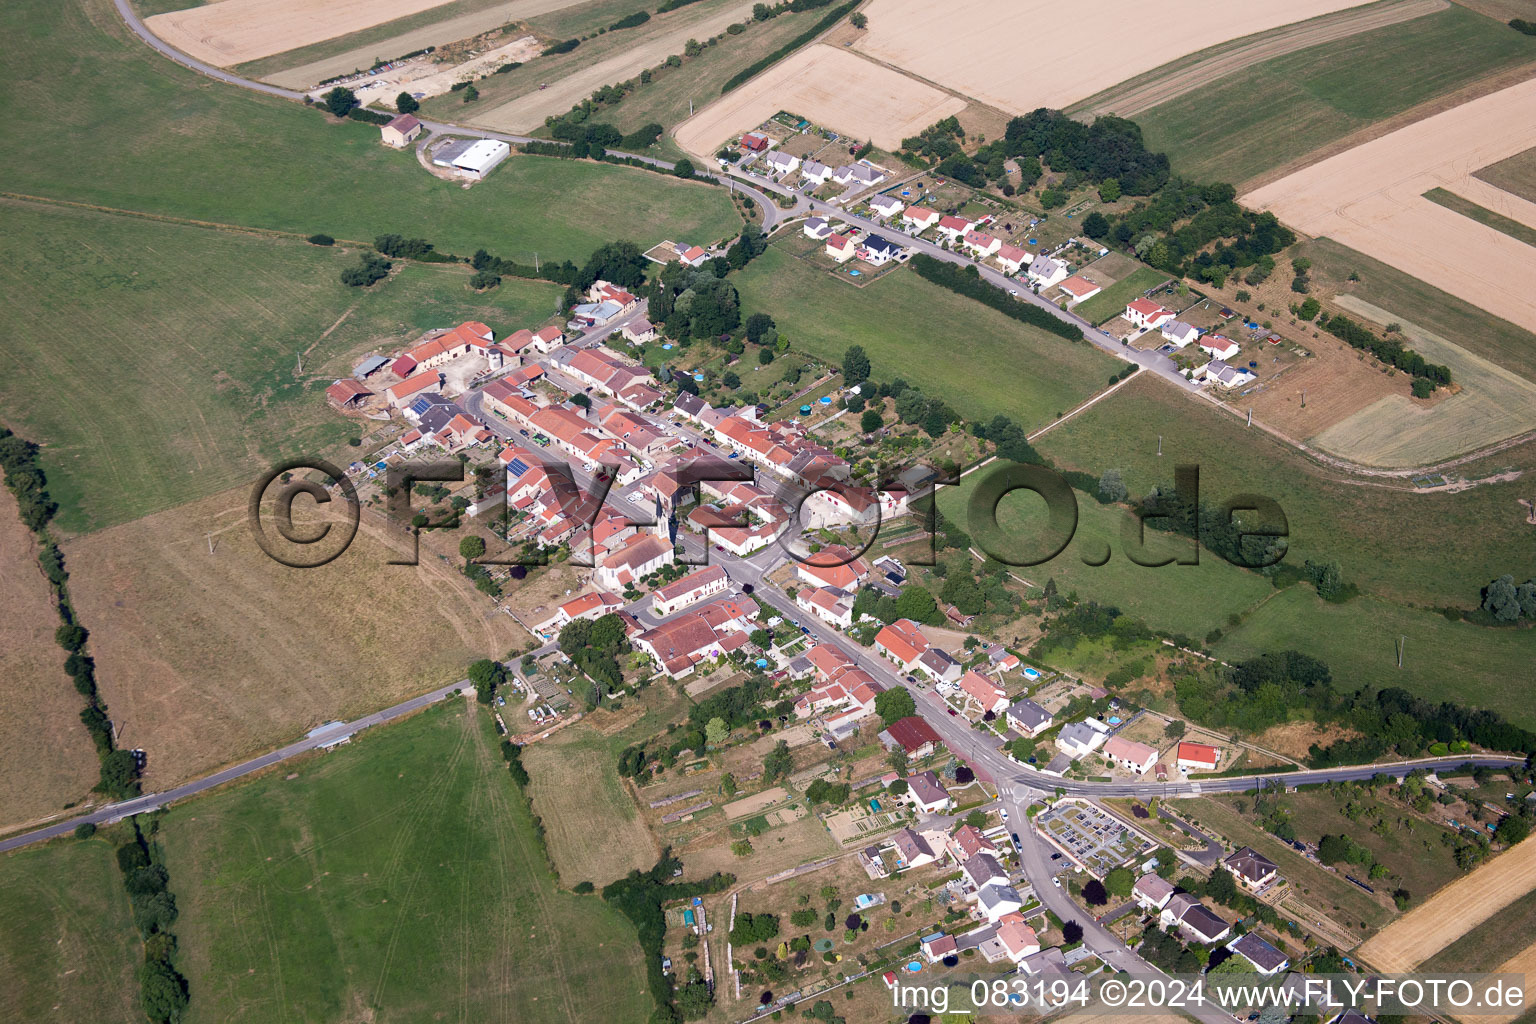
{"type": "Point", "coordinates": [831, 87]}
{"type": "Point", "coordinates": [1492, 404]}
{"type": "Point", "coordinates": [44, 750]}
{"type": "Point", "coordinates": [1453, 911]}
{"type": "Point", "coordinates": [1030, 54]}
{"type": "Point", "coordinates": [1337, 384]}
{"type": "Point", "coordinates": [1522, 963]}
{"type": "Point", "coordinates": [528, 111]}
{"type": "Point", "coordinates": [1372, 199]}
{"type": "Point", "coordinates": [208, 658]}
{"type": "Point", "coordinates": [233, 31]}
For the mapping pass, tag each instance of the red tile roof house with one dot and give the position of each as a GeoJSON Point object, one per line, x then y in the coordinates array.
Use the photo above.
{"type": "Point", "coordinates": [1147, 314]}
{"type": "Point", "coordinates": [755, 141]}
{"type": "Point", "coordinates": [967, 842]}
{"type": "Point", "coordinates": [986, 694]}
{"type": "Point", "coordinates": [588, 606]}
{"type": "Point", "coordinates": [1197, 757]}
{"type": "Point", "coordinates": [1012, 258]}
{"type": "Point", "coordinates": [982, 244]}
{"type": "Point", "coordinates": [1078, 289]}
{"type": "Point", "coordinates": [401, 394]}
{"type": "Point", "coordinates": [919, 218]}
{"type": "Point", "coordinates": [831, 605]}
{"type": "Point", "coordinates": [913, 735]}
{"type": "Point", "coordinates": [345, 394]}
{"type": "Point", "coordinates": [841, 248]}
{"type": "Point", "coordinates": [1018, 940]}
{"type": "Point", "coordinates": [1130, 755]}
{"type": "Point", "coordinates": [938, 946]}
{"type": "Point", "coordinates": [953, 227]}
{"type": "Point", "coordinates": [901, 642]}
{"type": "Point", "coordinates": [1152, 893]}
{"type": "Point", "coordinates": [400, 132]}
{"type": "Point", "coordinates": [832, 566]}
{"type": "Point", "coordinates": [694, 587]}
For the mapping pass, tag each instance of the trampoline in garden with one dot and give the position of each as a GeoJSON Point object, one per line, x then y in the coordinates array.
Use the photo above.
{"type": "Point", "coordinates": [823, 945]}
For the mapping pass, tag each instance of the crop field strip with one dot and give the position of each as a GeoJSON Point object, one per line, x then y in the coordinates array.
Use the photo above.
{"type": "Point", "coordinates": [1515, 175]}
{"type": "Point", "coordinates": [1500, 223]}
{"type": "Point", "coordinates": [1282, 109]}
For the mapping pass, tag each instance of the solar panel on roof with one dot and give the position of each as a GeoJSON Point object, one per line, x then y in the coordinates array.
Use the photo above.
{"type": "Point", "coordinates": [517, 467]}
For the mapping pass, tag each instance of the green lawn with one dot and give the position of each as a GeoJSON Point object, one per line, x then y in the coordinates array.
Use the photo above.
{"type": "Point", "coordinates": [157, 361]}
{"type": "Point", "coordinates": [1259, 118]}
{"type": "Point", "coordinates": [979, 361]}
{"type": "Point", "coordinates": [1111, 302]}
{"type": "Point", "coordinates": [396, 879]}
{"type": "Point", "coordinates": [68, 947]}
{"type": "Point", "coordinates": [1456, 661]}
{"type": "Point", "coordinates": [580, 19]}
{"type": "Point", "coordinates": [1188, 599]}
{"type": "Point", "coordinates": [139, 132]}
{"type": "Point", "coordinates": [1390, 542]}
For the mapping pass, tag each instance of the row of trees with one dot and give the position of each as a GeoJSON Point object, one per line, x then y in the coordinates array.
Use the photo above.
{"type": "Point", "coordinates": [967, 281]}
{"type": "Point", "coordinates": [27, 482]}
{"type": "Point", "coordinates": [1388, 350]}
{"type": "Point", "coordinates": [163, 991]}
{"type": "Point", "coordinates": [1507, 602]}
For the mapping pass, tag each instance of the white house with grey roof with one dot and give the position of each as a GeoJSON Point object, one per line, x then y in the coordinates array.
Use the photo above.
{"type": "Point", "coordinates": [1027, 718]}
{"type": "Point", "coordinates": [1224, 376]}
{"type": "Point", "coordinates": [1180, 333]}
{"type": "Point", "coordinates": [816, 171]}
{"type": "Point", "coordinates": [1078, 739]}
{"type": "Point", "coordinates": [1266, 959]}
{"type": "Point", "coordinates": [780, 162]}
{"type": "Point", "coordinates": [1045, 271]}
{"type": "Point", "coordinates": [887, 206]}
{"type": "Point", "coordinates": [995, 901]}
{"type": "Point", "coordinates": [817, 228]}
{"type": "Point", "coordinates": [860, 175]}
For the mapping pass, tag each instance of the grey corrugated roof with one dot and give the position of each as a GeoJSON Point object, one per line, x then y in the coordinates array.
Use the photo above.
{"type": "Point", "coordinates": [368, 365]}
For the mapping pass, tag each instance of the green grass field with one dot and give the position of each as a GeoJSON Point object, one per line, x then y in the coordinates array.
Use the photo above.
{"type": "Point", "coordinates": [214, 152]}
{"type": "Point", "coordinates": [1456, 661]}
{"type": "Point", "coordinates": [1111, 302]}
{"type": "Point", "coordinates": [979, 361]}
{"type": "Point", "coordinates": [157, 361]}
{"type": "Point", "coordinates": [1515, 174]}
{"type": "Point", "coordinates": [68, 948]}
{"type": "Point", "coordinates": [1389, 542]}
{"type": "Point", "coordinates": [1327, 890]}
{"type": "Point", "coordinates": [580, 19]}
{"type": "Point", "coordinates": [1188, 599]}
{"type": "Point", "coordinates": [1410, 299]}
{"type": "Point", "coordinates": [1504, 225]}
{"type": "Point", "coordinates": [395, 879]}
{"type": "Point", "coordinates": [1274, 111]}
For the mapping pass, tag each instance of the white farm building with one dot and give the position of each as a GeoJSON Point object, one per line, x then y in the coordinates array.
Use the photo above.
{"type": "Point", "coordinates": [472, 158]}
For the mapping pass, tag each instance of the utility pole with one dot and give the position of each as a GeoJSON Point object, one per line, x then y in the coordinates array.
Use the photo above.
{"type": "Point", "coordinates": [1250, 417]}
{"type": "Point", "coordinates": [1159, 445]}
{"type": "Point", "coordinates": [1402, 642]}
{"type": "Point", "coordinates": [300, 356]}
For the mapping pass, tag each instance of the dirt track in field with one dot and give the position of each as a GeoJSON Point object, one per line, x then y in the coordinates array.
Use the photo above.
{"type": "Point", "coordinates": [1133, 97]}
{"type": "Point", "coordinates": [1453, 911]}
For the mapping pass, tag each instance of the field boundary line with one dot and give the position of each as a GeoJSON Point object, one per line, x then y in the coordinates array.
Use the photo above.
{"type": "Point", "coordinates": [166, 218]}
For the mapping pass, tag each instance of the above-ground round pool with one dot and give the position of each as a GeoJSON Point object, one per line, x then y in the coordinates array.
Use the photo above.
{"type": "Point", "coordinates": [915, 966]}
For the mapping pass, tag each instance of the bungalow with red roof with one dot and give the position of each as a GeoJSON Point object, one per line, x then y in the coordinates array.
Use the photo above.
{"type": "Point", "coordinates": [1018, 940]}
{"type": "Point", "coordinates": [841, 248]}
{"type": "Point", "coordinates": [547, 339]}
{"type": "Point", "coordinates": [1147, 314]}
{"type": "Point", "coordinates": [1197, 757]}
{"type": "Point", "coordinates": [967, 842]}
{"type": "Point", "coordinates": [937, 946]}
{"type": "Point", "coordinates": [756, 142]}
{"type": "Point", "coordinates": [919, 218]}
{"type": "Point", "coordinates": [1079, 288]}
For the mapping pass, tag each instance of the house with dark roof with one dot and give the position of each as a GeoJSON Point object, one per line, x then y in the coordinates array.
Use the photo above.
{"type": "Point", "coordinates": [912, 850]}
{"type": "Point", "coordinates": [1251, 868]}
{"type": "Point", "coordinates": [1152, 892]}
{"type": "Point", "coordinates": [1194, 921]}
{"type": "Point", "coordinates": [1027, 718]}
{"type": "Point", "coordinates": [1266, 959]}
{"type": "Point", "coordinates": [928, 793]}
{"type": "Point", "coordinates": [983, 870]}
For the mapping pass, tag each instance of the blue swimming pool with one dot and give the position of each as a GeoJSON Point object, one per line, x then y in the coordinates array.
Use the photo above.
{"type": "Point", "coordinates": [874, 805]}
